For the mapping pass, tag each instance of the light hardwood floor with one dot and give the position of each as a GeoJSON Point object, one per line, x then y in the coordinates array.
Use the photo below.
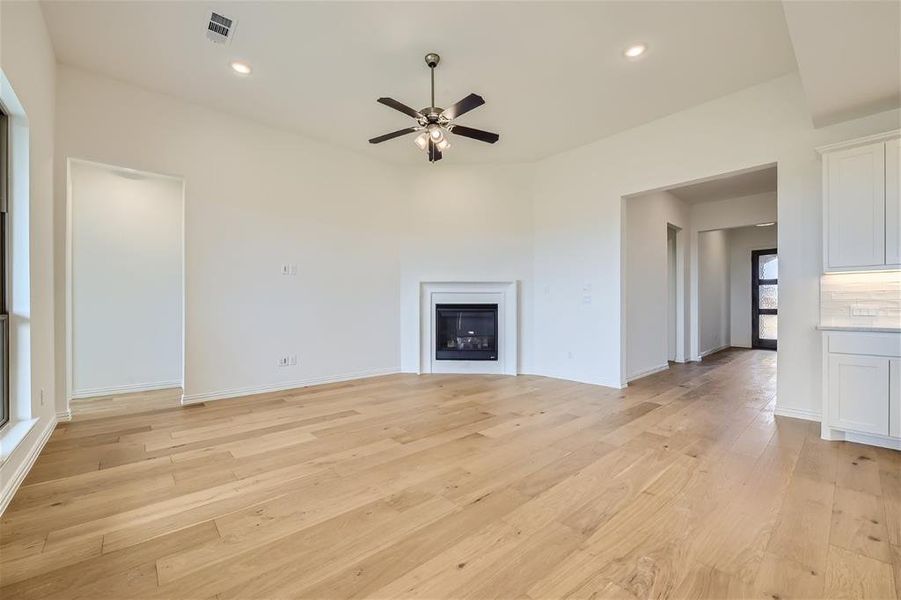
{"type": "Point", "coordinates": [97, 407]}
{"type": "Point", "coordinates": [682, 486]}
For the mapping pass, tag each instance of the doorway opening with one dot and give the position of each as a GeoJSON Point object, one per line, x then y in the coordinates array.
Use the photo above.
{"type": "Point", "coordinates": [764, 298]}
{"type": "Point", "coordinates": [686, 273]}
{"type": "Point", "coordinates": [125, 296]}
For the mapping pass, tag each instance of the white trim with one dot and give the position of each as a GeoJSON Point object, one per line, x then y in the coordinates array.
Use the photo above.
{"type": "Point", "coordinates": [21, 417]}
{"type": "Point", "coordinates": [12, 434]}
{"type": "Point", "coordinates": [12, 483]}
{"type": "Point", "coordinates": [615, 386]}
{"type": "Point", "coordinates": [646, 372]}
{"type": "Point", "coordinates": [71, 393]}
{"type": "Point", "coordinates": [797, 413]}
{"type": "Point", "coordinates": [287, 385]}
{"type": "Point", "coordinates": [861, 141]}
{"type": "Point", "coordinates": [124, 389]}
{"type": "Point", "coordinates": [867, 439]}
{"type": "Point", "coordinates": [64, 416]}
{"type": "Point", "coordinates": [712, 350]}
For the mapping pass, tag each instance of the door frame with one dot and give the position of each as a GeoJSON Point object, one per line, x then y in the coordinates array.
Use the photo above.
{"type": "Point", "coordinates": [756, 311]}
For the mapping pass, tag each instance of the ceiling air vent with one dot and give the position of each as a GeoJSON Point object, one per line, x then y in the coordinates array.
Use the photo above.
{"type": "Point", "coordinates": [220, 29]}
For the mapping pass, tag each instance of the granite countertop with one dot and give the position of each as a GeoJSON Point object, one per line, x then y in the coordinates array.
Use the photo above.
{"type": "Point", "coordinates": [861, 328]}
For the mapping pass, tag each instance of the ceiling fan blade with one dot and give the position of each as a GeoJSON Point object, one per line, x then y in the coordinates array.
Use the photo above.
{"type": "Point", "coordinates": [392, 135]}
{"type": "Point", "coordinates": [401, 107]}
{"type": "Point", "coordinates": [434, 152]}
{"type": "Point", "coordinates": [463, 106]}
{"type": "Point", "coordinates": [476, 134]}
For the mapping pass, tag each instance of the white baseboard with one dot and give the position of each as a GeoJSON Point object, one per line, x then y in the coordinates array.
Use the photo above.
{"type": "Point", "coordinates": [609, 384]}
{"type": "Point", "coordinates": [647, 372]}
{"type": "Point", "coordinates": [64, 415]}
{"type": "Point", "coordinates": [873, 440]}
{"type": "Point", "coordinates": [124, 389]}
{"type": "Point", "coordinates": [287, 385]}
{"type": "Point", "coordinates": [12, 483]}
{"type": "Point", "coordinates": [797, 413]}
{"type": "Point", "coordinates": [712, 350]}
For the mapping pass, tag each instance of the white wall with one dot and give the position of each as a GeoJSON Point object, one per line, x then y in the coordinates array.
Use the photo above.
{"type": "Point", "coordinates": [255, 198]}
{"type": "Point", "coordinates": [713, 294]}
{"type": "Point", "coordinates": [27, 61]}
{"type": "Point", "coordinates": [578, 221]}
{"type": "Point", "coordinates": [126, 280]}
{"type": "Point", "coordinates": [465, 224]}
{"type": "Point", "coordinates": [743, 241]}
{"type": "Point", "coordinates": [647, 219]}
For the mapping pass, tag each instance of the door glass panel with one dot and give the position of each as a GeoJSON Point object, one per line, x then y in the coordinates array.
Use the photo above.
{"type": "Point", "coordinates": [768, 297]}
{"type": "Point", "coordinates": [768, 267]}
{"type": "Point", "coordinates": [767, 327]}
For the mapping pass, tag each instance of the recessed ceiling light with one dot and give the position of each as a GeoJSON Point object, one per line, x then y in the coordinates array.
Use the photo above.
{"type": "Point", "coordinates": [241, 67]}
{"type": "Point", "coordinates": [635, 51]}
{"type": "Point", "coordinates": [765, 224]}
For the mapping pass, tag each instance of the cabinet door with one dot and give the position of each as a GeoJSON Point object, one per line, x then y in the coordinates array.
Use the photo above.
{"type": "Point", "coordinates": [859, 393]}
{"type": "Point", "coordinates": [855, 207]}
{"type": "Point", "coordinates": [893, 203]}
{"type": "Point", "coordinates": [894, 404]}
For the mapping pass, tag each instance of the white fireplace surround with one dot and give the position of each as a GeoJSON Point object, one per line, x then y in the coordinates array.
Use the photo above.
{"type": "Point", "coordinates": [502, 293]}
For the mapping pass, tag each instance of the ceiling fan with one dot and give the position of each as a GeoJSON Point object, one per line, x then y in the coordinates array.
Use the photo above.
{"type": "Point", "coordinates": [433, 123]}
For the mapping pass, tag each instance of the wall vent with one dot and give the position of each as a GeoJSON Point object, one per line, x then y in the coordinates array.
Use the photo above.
{"type": "Point", "coordinates": [220, 29]}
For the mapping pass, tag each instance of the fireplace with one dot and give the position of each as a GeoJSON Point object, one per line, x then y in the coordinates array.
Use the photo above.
{"type": "Point", "coordinates": [466, 332]}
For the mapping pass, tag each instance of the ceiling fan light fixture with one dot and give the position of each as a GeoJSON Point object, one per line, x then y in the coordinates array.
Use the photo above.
{"type": "Point", "coordinates": [436, 124]}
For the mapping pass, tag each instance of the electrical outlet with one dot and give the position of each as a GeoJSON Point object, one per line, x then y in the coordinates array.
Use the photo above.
{"type": "Point", "coordinates": [289, 269]}
{"type": "Point", "coordinates": [293, 360]}
{"type": "Point", "coordinates": [284, 361]}
{"type": "Point", "coordinates": [859, 310]}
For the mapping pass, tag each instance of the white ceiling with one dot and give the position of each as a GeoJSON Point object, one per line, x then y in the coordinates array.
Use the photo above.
{"type": "Point", "coordinates": [849, 56]}
{"type": "Point", "coordinates": [738, 185]}
{"type": "Point", "coordinates": [553, 74]}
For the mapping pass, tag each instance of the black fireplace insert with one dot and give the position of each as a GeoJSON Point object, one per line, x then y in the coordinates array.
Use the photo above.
{"type": "Point", "coordinates": [466, 331]}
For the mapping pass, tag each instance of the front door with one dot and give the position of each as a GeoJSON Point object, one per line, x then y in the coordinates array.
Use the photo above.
{"type": "Point", "coordinates": [764, 298]}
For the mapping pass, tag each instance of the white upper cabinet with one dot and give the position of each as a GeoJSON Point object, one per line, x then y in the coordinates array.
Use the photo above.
{"type": "Point", "coordinates": [893, 202]}
{"type": "Point", "coordinates": [861, 210]}
{"type": "Point", "coordinates": [855, 207]}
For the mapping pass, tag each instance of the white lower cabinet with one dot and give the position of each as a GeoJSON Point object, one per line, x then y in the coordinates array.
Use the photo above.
{"type": "Point", "coordinates": [858, 393]}
{"type": "Point", "coordinates": [862, 387]}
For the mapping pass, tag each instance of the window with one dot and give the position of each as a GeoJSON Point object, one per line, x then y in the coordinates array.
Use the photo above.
{"type": "Point", "coordinates": [4, 270]}
{"type": "Point", "coordinates": [764, 298]}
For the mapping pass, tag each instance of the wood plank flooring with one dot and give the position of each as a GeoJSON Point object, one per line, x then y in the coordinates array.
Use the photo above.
{"type": "Point", "coordinates": [684, 485]}
{"type": "Point", "coordinates": [110, 405]}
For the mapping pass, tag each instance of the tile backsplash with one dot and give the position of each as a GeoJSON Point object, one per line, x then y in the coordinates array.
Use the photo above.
{"type": "Point", "coordinates": [861, 299]}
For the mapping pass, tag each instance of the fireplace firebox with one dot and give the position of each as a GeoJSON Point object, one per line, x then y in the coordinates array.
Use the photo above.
{"type": "Point", "coordinates": [466, 332]}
